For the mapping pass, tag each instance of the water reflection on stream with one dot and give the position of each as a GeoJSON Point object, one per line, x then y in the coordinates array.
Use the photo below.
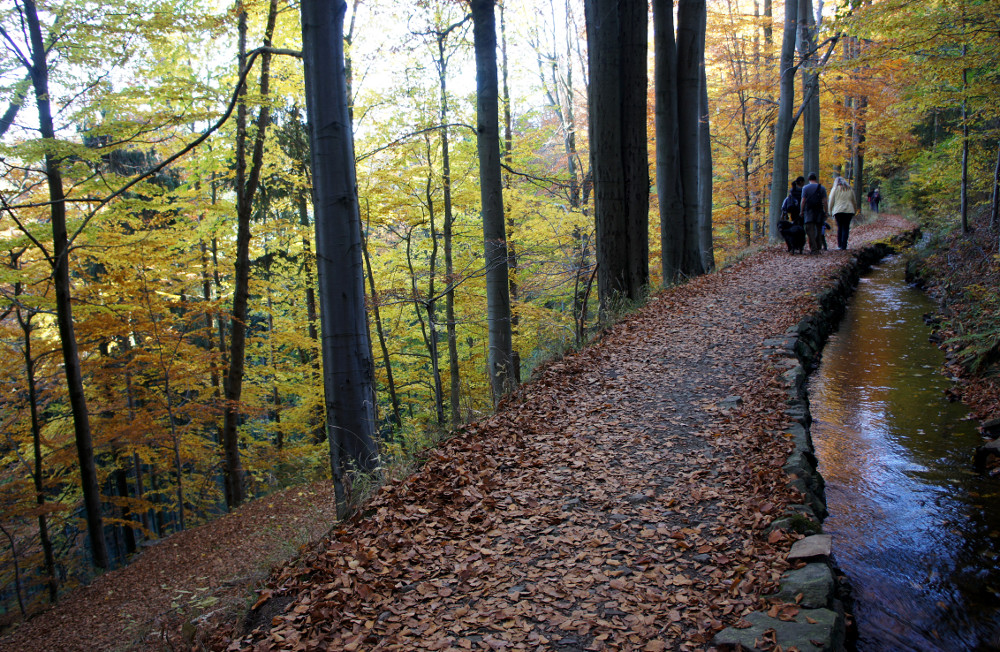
{"type": "Point", "coordinates": [914, 528]}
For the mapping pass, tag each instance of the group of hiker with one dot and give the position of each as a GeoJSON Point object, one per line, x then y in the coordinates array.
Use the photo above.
{"type": "Point", "coordinates": [807, 207]}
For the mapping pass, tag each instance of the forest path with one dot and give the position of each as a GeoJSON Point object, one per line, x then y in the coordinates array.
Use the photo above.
{"type": "Point", "coordinates": [612, 505]}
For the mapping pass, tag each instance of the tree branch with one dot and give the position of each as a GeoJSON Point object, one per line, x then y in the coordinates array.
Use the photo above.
{"type": "Point", "coordinates": [805, 100]}
{"type": "Point", "coordinates": [251, 57]}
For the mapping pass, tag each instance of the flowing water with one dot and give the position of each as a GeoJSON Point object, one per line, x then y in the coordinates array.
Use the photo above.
{"type": "Point", "coordinates": [914, 528]}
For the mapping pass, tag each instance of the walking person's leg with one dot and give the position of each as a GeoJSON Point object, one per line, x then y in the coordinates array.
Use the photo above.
{"type": "Point", "coordinates": [812, 233]}
{"type": "Point", "coordinates": [843, 227]}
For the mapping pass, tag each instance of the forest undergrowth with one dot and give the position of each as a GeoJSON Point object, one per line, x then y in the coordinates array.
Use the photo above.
{"type": "Point", "coordinates": [611, 504]}
{"type": "Point", "coordinates": [962, 272]}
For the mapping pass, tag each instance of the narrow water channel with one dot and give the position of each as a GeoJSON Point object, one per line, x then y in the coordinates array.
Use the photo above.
{"type": "Point", "coordinates": [914, 528]}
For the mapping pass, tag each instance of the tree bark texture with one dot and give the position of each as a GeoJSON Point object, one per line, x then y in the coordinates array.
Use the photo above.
{"type": "Point", "coordinates": [784, 124]}
{"type": "Point", "coordinates": [348, 372]}
{"type": "Point", "coordinates": [246, 188]}
{"type": "Point", "coordinates": [616, 36]}
{"type": "Point", "coordinates": [64, 308]}
{"type": "Point", "coordinates": [810, 89]}
{"type": "Point", "coordinates": [705, 177]}
{"type": "Point", "coordinates": [691, 16]}
{"type": "Point", "coordinates": [668, 187]}
{"type": "Point", "coordinates": [500, 358]}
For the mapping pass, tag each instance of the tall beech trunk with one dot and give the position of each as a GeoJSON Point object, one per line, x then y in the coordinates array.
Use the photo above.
{"type": "Point", "coordinates": [348, 372]}
{"type": "Point", "coordinates": [785, 122]}
{"type": "Point", "coordinates": [246, 188]}
{"type": "Point", "coordinates": [691, 16]}
{"type": "Point", "coordinates": [859, 106]}
{"type": "Point", "coordinates": [64, 307]}
{"type": "Point", "coordinates": [810, 89]}
{"type": "Point", "coordinates": [668, 187]}
{"type": "Point", "coordinates": [616, 37]}
{"type": "Point", "coordinates": [705, 177]}
{"type": "Point", "coordinates": [500, 358]}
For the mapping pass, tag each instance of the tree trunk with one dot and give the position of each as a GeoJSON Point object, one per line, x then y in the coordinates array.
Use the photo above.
{"type": "Point", "coordinates": [348, 372]}
{"type": "Point", "coordinates": [20, 92]}
{"type": "Point", "coordinates": [500, 359]}
{"type": "Point", "coordinates": [64, 308]}
{"type": "Point", "coordinates": [508, 159]}
{"type": "Point", "coordinates": [430, 304]}
{"type": "Point", "coordinates": [455, 381]}
{"type": "Point", "coordinates": [380, 331]}
{"type": "Point", "coordinates": [690, 55]}
{"type": "Point", "coordinates": [784, 125]}
{"type": "Point", "coordinates": [214, 375]}
{"type": "Point", "coordinates": [667, 166]}
{"type": "Point", "coordinates": [616, 36]}
{"type": "Point", "coordinates": [449, 221]}
{"type": "Point", "coordinates": [318, 420]}
{"type": "Point", "coordinates": [859, 106]}
{"type": "Point", "coordinates": [810, 90]}
{"type": "Point", "coordinates": [246, 188]}
{"type": "Point", "coordinates": [51, 581]}
{"type": "Point", "coordinates": [635, 143]}
{"type": "Point", "coordinates": [569, 123]}
{"type": "Point", "coordinates": [121, 486]}
{"type": "Point", "coordinates": [705, 177]}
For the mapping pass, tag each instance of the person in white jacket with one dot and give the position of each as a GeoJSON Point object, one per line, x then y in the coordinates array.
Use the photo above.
{"type": "Point", "coordinates": [843, 206]}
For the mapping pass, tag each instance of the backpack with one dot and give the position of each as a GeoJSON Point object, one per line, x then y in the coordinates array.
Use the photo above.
{"type": "Point", "coordinates": [789, 205]}
{"type": "Point", "coordinates": [813, 201]}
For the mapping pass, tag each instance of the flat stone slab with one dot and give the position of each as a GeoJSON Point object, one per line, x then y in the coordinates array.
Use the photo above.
{"type": "Point", "coordinates": [814, 547]}
{"type": "Point", "coordinates": [785, 344]}
{"type": "Point", "coordinates": [812, 630]}
{"type": "Point", "coordinates": [795, 378]}
{"type": "Point", "coordinates": [811, 586]}
{"type": "Point", "coordinates": [730, 402]}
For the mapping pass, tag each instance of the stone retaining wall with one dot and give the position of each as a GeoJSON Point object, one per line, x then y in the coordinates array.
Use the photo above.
{"type": "Point", "coordinates": [815, 583]}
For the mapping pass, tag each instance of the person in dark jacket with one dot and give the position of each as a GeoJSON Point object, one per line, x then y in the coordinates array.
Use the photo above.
{"type": "Point", "coordinates": [814, 211]}
{"type": "Point", "coordinates": [790, 207]}
{"type": "Point", "coordinates": [796, 192]}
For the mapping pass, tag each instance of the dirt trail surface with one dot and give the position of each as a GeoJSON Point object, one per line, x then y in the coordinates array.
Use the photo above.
{"type": "Point", "coordinates": [613, 504]}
